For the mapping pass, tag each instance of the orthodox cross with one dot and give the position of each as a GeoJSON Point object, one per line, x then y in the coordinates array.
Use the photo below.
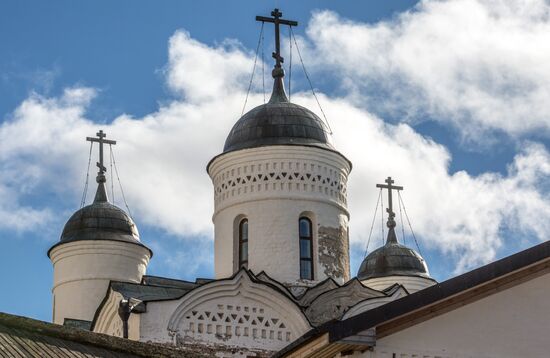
{"type": "Point", "coordinates": [390, 187]}
{"type": "Point", "coordinates": [101, 140]}
{"type": "Point", "coordinates": [277, 21]}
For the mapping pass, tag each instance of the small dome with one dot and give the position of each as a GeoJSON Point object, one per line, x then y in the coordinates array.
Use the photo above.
{"type": "Point", "coordinates": [393, 259]}
{"type": "Point", "coordinates": [278, 122]}
{"type": "Point", "coordinates": [100, 220]}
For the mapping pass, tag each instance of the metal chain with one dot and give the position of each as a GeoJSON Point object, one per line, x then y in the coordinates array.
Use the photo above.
{"type": "Point", "coordinates": [402, 226]}
{"type": "Point", "coordinates": [382, 216]}
{"type": "Point", "coordinates": [372, 225]}
{"type": "Point", "coordinates": [263, 62]}
{"type": "Point", "coordinates": [309, 81]}
{"type": "Point", "coordinates": [112, 180]}
{"type": "Point", "coordinates": [84, 193]}
{"type": "Point", "coordinates": [253, 68]}
{"type": "Point", "coordinates": [121, 190]}
{"type": "Point", "coordinates": [410, 226]}
{"type": "Point", "coordinates": [290, 64]}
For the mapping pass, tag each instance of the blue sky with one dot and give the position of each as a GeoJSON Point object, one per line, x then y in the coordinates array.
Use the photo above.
{"type": "Point", "coordinates": [449, 97]}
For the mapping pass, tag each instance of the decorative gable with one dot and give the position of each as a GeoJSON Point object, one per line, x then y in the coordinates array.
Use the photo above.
{"type": "Point", "coordinates": [240, 312]}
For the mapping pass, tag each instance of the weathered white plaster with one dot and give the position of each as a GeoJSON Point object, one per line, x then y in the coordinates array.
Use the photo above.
{"type": "Point", "coordinates": [511, 323]}
{"type": "Point", "coordinates": [233, 312]}
{"type": "Point", "coordinates": [83, 270]}
{"type": "Point", "coordinates": [411, 283]}
{"type": "Point", "coordinates": [273, 186]}
{"type": "Point", "coordinates": [109, 322]}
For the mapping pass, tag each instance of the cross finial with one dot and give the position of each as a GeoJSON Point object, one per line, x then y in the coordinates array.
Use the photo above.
{"type": "Point", "coordinates": [101, 140]}
{"type": "Point", "coordinates": [277, 72]}
{"type": "Point", "coordinates": [391, 215]}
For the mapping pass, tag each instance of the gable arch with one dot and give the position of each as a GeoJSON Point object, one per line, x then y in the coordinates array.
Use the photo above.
{"type": "Point", "coordinates": [238, 312]}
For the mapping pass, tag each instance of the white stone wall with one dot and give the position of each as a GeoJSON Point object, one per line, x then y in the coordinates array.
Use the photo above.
{"type": "Point", "coordinates": [272, 187]}
{"type": "Point", "coordinates": [411, 283]}
{"type": "Point", "coordinates": [513, 322]}
{"type": "Point", "coordinates": [227, 313]}
{"type": "Point", "coordinates": [109, 321]}
{"type": "Point", "coordinates": [83, 269]}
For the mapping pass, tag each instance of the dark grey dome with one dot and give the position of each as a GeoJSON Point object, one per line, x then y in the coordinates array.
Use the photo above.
{"type": "Point", "coordinates": [100, 220]}
{"type": "Point", "coordinates": [393, 259]}
{"type": "Point", "coordinates": [278, 122]}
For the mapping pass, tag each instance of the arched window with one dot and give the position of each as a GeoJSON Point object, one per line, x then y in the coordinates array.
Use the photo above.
{"type": "Point", "coordinates": [306, 249]}
{"type": "Point", "coordinates": [243, 243]}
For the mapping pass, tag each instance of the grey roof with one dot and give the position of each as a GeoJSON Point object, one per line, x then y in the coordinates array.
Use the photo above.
{"type": "Point", "coordinates": [25, 337]}
{"type": "Point", "coordinates": [392, 259]}
{"type": "Point", "coordinates": [100, 220]}
{"type": "Point", "coordinates": [278, 122]}
{"type": "Point", "coordinates": [169, 282]}
{"type": "Point", "coordinates": [148, 293]}
{"type": "Point", "coordinates": [483, 279]}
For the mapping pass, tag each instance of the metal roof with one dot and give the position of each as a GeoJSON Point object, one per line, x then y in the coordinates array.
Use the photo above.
{"type": "Point", "coordinates": [278, 122]}
{"type": "Point", "coordinates": [147, 293]}
{"type": "Point", "coordinates": [100, 220]}
{"type": "Point", "coordinates": [477, 282]}
{"type": "Point", "coordinates": [25, 337]}
{"type": "Point", "coordinates": [392, 259]}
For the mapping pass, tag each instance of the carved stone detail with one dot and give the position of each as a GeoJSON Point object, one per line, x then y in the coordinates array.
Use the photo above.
{"type": "Point", "coordinates": [292, 176]}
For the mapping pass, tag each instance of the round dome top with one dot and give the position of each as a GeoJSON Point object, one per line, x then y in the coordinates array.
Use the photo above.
{"type": "Point", "coordinates": [393, 259]}
{"type": "Point", "coordinates": [100, 220]}
{"type": "Point", "coordinates": [278, 122]}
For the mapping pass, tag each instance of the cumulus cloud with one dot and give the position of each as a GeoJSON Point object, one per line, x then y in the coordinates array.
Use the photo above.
{"type": "Point", "coordinates": [478, 65]}
{"type": "Point", "coordinates": [162, 156]}
{"type": "Point", "coordinates": [20, 218]}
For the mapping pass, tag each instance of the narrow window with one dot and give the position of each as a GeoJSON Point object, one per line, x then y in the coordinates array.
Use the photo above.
{"type": "Point", "coordinates": [306, 249]}
{"type": "Point", "coordinates": [243, 243]}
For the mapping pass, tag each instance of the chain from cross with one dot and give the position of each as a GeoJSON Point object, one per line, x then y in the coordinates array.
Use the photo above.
{"type": "Point", "coordinates": [101, 140]}
{"type": "Point", "coordinates": [390, 187]}
{"type": "Point", "coordinates": [277, 21]}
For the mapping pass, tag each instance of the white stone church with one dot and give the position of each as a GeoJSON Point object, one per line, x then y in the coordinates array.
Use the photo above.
{"type": "Point", "coordinates": [282, 281]}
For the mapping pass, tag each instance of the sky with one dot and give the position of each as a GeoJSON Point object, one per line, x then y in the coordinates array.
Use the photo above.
{"type": "Point", "coordinates": [450, 98]}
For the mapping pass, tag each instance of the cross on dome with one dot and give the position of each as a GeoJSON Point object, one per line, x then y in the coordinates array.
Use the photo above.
{"type": "Point", "coordinates": [101, 193]}
{"type": "Point", "coordinates": [276, 20]}
{"type": "Point", "coordinates": [391, 215]}
{"type": "Point", "coordinates": [101, 140]}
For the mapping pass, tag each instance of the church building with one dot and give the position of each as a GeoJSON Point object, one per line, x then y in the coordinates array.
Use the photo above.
{"type": "Point", "coordinates": [282, 282]}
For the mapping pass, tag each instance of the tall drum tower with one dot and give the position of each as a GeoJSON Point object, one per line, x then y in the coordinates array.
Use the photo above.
{"type": "Point", "coordinates": [100, 243]}
{"type": "Point", "coordinates": [280, 192]}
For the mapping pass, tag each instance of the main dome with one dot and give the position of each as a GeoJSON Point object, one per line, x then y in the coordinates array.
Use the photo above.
{"type": "Point", "coordinates": [278, 122]}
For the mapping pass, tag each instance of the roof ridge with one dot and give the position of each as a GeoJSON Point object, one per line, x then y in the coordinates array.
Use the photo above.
{"type": "Point", "coordinates": [118, 344]}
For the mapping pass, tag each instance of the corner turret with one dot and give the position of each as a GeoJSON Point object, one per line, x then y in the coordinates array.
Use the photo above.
{"type": "Point", "coordinates": [100, 243]}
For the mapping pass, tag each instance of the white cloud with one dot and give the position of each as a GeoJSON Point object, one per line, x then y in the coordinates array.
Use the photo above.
{"type": "Point", "coordinates": [162, 159]}
{"type": "Point", "coordinates": [19, 218]}
{"type": "Point", "coordinates": [478, 65]}
{"type": "Point", "coordinates": [201, 73]}
{"type": "Point", "coordinates": [467, 217]}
